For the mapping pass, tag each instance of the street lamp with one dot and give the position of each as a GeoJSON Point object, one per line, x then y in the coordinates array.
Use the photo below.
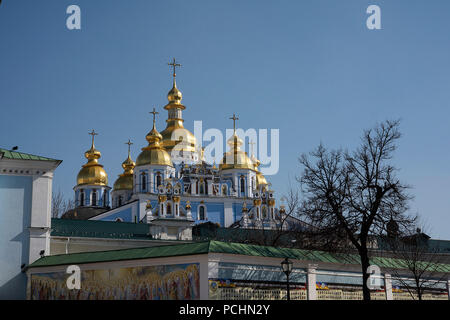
{"type": "Point", "coordinates": [286, 266]}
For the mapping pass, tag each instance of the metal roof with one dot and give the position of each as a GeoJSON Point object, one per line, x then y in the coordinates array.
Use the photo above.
{"type": "Point", "coordinates": [8, 154]}
{"type": "Point", "coordinates": [99, 229]}
{"type": "Point", "coordinates": [215, 247]}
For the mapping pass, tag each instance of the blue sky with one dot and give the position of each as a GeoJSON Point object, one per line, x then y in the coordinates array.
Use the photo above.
{"type": "Point", "coordinates": [309, 68]}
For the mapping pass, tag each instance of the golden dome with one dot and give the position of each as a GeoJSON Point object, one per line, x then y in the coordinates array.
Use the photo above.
{"type": "Point", "coordinates": [125, 180]}
{"type": "Point", "coordinates": [175, 134]}
{"type": "Point", "coordinates": [92, 173]}
{"type": "Point", "coordinates": [260, 179]}
{"type": "Point", "coordinates": [154, 153]}
{"type": "Point", "coordinates": [236, 158]}
{"type": "Point", "coordinates": [174, 96]}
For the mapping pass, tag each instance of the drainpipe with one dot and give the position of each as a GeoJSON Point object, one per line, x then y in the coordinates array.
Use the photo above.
{"type": "Point", "coordinates": [67, 245]}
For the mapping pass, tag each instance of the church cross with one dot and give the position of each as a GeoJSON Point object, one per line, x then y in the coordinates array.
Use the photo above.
{"type": "Point", "coordinates": [234, 118]}
{"type": "Point", "coordinates": [129, 143]}
{"type": "Point", "coordinates": [93, 134]}
{"type": "Point", "coordinates": [154, 113]}
{"type": "Point", "coordinates": [174, 65]}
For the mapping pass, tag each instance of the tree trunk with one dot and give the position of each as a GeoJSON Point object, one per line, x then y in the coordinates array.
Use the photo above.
{"type": "Point", "coordinates": [364, 266]}
{"type": "Point", "coordinates": [419, 290]}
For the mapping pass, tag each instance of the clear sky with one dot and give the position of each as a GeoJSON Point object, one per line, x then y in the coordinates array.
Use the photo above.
{"type": "Point", "coordinates": [311, 69]}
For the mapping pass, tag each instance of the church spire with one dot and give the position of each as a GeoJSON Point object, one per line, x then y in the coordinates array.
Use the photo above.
{"type": "Point", "coordinates": [186, 148]}
{"type": "Point", "coordinates": [92, 172]}
{"type": "Point", "coordinates": [174, 96]}
{"type": "Point", "coordinates": [235, 158]}
{"type": "Point", "coordinates": [128, 165]}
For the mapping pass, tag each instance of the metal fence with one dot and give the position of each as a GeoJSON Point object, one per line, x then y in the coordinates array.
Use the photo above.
{"type": "Point", "coordinates": [248, 293]}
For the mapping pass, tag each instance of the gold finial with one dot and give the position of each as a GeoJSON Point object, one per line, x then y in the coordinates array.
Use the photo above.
{"type": "Point", "coordinates": [92, 172]}
{"type": "Point", "coordinates": [154, 136]}
{"type": "Point", "coordinates": [174, 96]}
{"type": "Point", "coordinates": [202, 154]}
{"type": "Point", "coordinates": [174, 65]}
{"type": "Point", "coordinates": [154, 113]}
{"type": "Point", "coordinates": [92, 154]}
{"type": "Point", "coordinates": [93, 134]}
{"type": "Point", "coordinates": [129, 143]}
{"type": "Point", "coordinates": [234, 118]}
{"type": "Point", "coordinates": [128, 165]}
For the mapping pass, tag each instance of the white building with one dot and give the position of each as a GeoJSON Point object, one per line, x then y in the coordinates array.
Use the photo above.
{"type": "Point", "coordinates": [25, 213]}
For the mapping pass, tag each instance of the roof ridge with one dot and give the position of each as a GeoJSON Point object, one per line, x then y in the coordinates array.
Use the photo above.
{"type": "Point", "coordinates": [125, 249]}
{"type": "Point", "coordinates": [9, 154]}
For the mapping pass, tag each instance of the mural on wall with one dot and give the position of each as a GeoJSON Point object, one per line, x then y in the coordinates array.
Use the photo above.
{"type": "Point", "coordinates": [167, 282]}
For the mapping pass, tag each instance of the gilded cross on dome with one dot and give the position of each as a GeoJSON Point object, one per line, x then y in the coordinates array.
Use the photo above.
{"type": "Point", "coordinates": [93, 134]}
{"type": "Point", "coordinates": [129, 143]}
{"type": "Point", "coordinates": [234, 118]}
{"type": "Point", "coordinates": [154, 113]}
{"type": "Point", "coordinates": [174, 65]}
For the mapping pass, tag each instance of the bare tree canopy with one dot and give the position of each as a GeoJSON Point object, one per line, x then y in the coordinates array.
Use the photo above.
{"type": "Point", "coordinates": [60, 205]}
{"type": "Point", "coordinates": [422, 264]}
{"type": "Point", "coordinates": [355, 194]}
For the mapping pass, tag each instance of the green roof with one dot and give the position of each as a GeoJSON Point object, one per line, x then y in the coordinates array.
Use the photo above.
{"type": "Point", "coordinates": [214, 247]}
{"type": "Point", "coordinates": [124, 254]}
{"type": "Point", "coordinates": [8, 154]}
{"type": "Point", "coordinates": [100, 229]}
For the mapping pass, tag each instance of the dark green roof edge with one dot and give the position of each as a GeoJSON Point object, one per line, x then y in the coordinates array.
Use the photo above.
{"type": "Point", "coordinates": [214, 247]}
{"type": "Point", "coordinates": [124, 254]}
{"type": "Point", "coordinates": [99, 229]}
{"type": "Point", "coordinates": [8, 154]}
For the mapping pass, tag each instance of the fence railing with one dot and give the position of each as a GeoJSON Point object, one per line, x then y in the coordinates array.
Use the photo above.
{"type": "Point", "coordinates": [247, 293]}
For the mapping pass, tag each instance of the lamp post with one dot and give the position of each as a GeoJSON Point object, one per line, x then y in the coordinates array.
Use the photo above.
{"type": "Point", "coordinates": [286, 266]}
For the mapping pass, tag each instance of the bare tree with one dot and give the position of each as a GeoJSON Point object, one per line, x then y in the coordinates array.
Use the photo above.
{"type": "Point", "coordinates": [355, 194]}
{"type": "Point", "coordinates": [423, 263]}
{"type": "Point", "coordinates": [60, 205]}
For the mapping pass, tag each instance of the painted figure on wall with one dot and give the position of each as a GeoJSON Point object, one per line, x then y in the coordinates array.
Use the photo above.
{"type": "Point", "coordinates": [170, 282]}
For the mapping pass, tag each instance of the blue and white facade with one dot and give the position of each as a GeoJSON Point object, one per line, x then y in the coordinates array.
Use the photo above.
{"type": "Point", "coordinates": [25, 215]}
{"type": "Point", "coordinates": [174, 188]}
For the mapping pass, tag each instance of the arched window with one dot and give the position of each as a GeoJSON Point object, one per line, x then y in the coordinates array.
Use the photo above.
{"type": "Point", "coordinates": [224, 190]}
{"type": "Point", "coordinates": [158, 180]}
{"type": "Point", "coordinates": [81, 197]}
{"type": "Point", "coordinates": [242, 185]}
{"type": "Point", "coordinates": [169, 208]}
{"type": "Point", "coordinates": [104, 198]}
{"type": "Point", "coordinates": [144, 182]}
{"type": "Point", "coordinates": [94, 198]}
{"type": "Point", "coordinates": [201, 213]}
{"type": "Point", "coordinates": [119, 202]}
{"type": "Point", "coordinates": [202, 188]}
{"type": "Point", "coordinates": [264, 213]}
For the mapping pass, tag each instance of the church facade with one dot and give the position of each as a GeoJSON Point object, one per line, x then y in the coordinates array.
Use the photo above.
{"type": "Point", "coordinates": [171, 187]}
